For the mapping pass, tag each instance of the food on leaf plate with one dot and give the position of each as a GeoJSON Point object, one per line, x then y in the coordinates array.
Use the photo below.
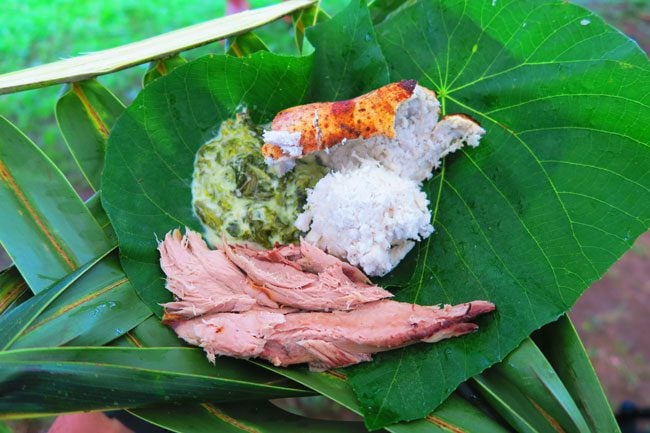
{"type": "Point", "coordinates": [292, 304]}
{"type": "Point", "coordinates": [382, 145]}
{"type": "Point", "coordinates": [346, 175]}
{"type": "Point", "coordinates": [345, 180]}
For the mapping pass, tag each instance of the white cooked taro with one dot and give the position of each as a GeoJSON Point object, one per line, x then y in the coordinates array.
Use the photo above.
{"type": "Point", "coordinates": [368, 216]}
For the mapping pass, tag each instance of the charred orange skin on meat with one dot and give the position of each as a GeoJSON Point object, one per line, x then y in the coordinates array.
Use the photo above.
{"type": "Point", "coordinates": [324, 124]}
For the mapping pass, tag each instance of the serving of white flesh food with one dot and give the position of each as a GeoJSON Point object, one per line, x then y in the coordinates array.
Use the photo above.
{"type": "Point", "coordinates": [369, 216]}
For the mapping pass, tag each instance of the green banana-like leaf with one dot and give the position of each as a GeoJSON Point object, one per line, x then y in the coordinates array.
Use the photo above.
{"type": "Point", "coordinates": [13, 289]}
{"type": "Point", "coordinates": [454, 415]}
{"type": "Point", "coordinates": [46, 229]}
{"type": "Point", "coordinates": [162, 67]}
{"type": "Point", "coordinates": [14, 323]}
{"type": "Point", "coordinates": [562, 347]}
{"type": "Point", "coordinates": [152, 333]}
{"type": "Point", "coordinates": [306, 18]}
{"type": "Point", "coordinates": [94, 205]}
{"type": "Point", "coordinates": [245, 44]}
{"type": "Point", "coordinates": [530, 371]}
{"type": "Point", "coordinates": [86, 112]}
{"type": "Point", "coordinates": [513, 405]}
{"type": "Point", "coordinates": [101, 378]}
{"type": "Point", "coordinates": [95, 309]}
{"type": "Point", "coordinates": [526, 390]}
{"type": "Point", "coordinates": [251, 417]}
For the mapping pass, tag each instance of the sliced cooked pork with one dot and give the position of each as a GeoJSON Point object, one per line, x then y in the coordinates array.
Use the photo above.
{"type": "Point", "coordinates": [292, 305]}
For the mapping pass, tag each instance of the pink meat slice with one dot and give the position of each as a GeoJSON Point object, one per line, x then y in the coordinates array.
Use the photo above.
{"type": "Point", "coordinates": [314, 282]}
{"type": "Point", "coordinates": [293, 304]}
{"type": "Point", "coordinates": [328, 340]}
{"type": "Point", "coordinates": [204, 280]}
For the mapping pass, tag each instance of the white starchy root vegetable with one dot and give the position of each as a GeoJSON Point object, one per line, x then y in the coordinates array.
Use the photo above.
{"type": "Point", "coordinates": [369, 216]}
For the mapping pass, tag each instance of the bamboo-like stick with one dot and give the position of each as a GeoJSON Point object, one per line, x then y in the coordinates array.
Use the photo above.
{"type": "Point", "coordinates": [125, 56]}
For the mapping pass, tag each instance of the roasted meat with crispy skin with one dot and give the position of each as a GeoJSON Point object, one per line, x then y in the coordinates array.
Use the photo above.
{"type": "Point", "coordinates": [292, 305]}
{"type": "Point", "coordinates": [321, 125]}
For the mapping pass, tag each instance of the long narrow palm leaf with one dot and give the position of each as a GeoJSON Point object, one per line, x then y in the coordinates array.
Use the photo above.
{"type": "Point", "coordinates": [115, 59]}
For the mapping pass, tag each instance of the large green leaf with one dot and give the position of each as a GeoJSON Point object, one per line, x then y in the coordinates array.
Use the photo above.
{"type": "Point", "coordinates": [348, 60]}
{"type": "Point", "coordinates": [150, 154]}
{"type": "Point", "coordinates": [86, 113]}
{"type": "Point", "coordinates": [44, 226]}
{"type": "Point", "coordinates": [98, 378]}
{"type": "Point", "coordinates": [557, 191]}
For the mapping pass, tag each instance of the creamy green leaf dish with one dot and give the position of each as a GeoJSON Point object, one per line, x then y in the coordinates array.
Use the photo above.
{"type": "Point", "coordinates": [236, 194]}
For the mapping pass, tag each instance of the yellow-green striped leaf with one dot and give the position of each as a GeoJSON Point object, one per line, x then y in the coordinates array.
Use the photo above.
{"type": "Point", "coordinates": [527, 392]}
{"type": "Point", "coordinates": [245, 44]}
{"type": "Point", "coordinates": [530, 371]}
{"type": "Point", "coordinates": [99, 378]}
{"type": "Point", "coordinates": [562, 346]}
{"type": "Point", "coordinates": [97, 308]}
{"type": "Point", "coordinates": [13, 289]}
{"type": "Point", "coordinates": [45, 228]}
{"type": "Point", "coordinates": [306, 18]}
{"type": "Point", "coordinates": [94, 205]}
{"type": "Point", "coordinates": [201, 417]}
{"type": "Point", "coordinates": [162, 67]}
{"type": "Point", "coordinates": [14, 323]}
{"type": "Point", "coordinates": [454, 415]}
{"type": "Point", "coordinates": [86, 113]}
{"type": "Point", "coordinates": [252, 417]}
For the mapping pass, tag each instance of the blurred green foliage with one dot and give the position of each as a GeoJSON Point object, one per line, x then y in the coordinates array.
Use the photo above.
{"type": "Point", "coordinates": [33, 32]}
